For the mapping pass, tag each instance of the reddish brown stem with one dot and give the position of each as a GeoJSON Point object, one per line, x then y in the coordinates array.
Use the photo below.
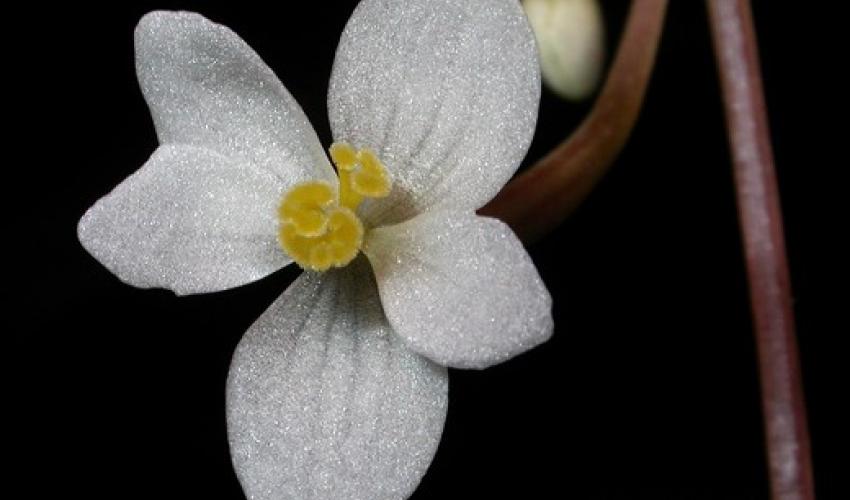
{"type": "Point", "coordinates": [767, 269]}
{"type": "Point", "coordinates": [536, 201]}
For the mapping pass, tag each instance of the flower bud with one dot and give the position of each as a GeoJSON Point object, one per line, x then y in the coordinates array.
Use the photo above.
{"type": "Point", "coordinates": [571, 40]}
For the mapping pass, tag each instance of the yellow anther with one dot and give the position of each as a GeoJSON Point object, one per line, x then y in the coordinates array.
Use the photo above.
{"type": "Point", "coordinates": [319, 229]}
{"type": "Point", "coordinates": [304, 208]}
{"type": "Point", "coordinates": [372, 179]}
{"type": "Point", "coordinates": [336, 247]}
{"type": "Point", "coordinates": [361, 175]}
{"type": "Point", "coordinates": [343, 155]}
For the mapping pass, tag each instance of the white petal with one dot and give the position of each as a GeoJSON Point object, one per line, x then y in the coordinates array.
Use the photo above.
{"type": "Point", "coordinates": [206, 87]}
{"type": "Point", "coordinates": [459, 288]}
{"type": "Point", "coordinates": [189, 220]}
{"type": "Point", "coordinates": [325, 402]}
{"type": "Point", "coordinates": [445, 91]}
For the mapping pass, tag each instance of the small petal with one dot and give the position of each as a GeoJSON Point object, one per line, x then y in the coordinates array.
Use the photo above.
{"type": "Point", "coordinates": [445, 92]}
{"type": "Point", "coordinates": [206, 87]}
{"type": "Point", "coordinates": [459, 288]}
{"type": "Point", "coordinates": [189, 220]}
{"type": "Point", "coordinates": [325, 402]}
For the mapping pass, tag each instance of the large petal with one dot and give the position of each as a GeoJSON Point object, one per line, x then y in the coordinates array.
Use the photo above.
{"type": "Point", "coordinates": [445, 91]}
{"type": "Point", "coordinates": [325, 402]}
{"type": "Point", "coordinates": [206, 87]}
{"type": "Point", "coordinates": [459, 288]}
{"type": "Point", "coordinates": [189, 220]}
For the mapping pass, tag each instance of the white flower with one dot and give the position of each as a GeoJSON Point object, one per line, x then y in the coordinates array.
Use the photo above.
{"type": "Point", "coordinates": [571, 37]}
{"type": "Point", "coordinates": [339, 390]}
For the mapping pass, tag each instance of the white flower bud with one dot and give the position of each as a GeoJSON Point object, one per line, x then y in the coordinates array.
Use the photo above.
{"type": "Point", "coordinates": [571, 40]}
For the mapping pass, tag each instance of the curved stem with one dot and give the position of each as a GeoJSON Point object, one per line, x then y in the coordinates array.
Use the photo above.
{"type": "Point", "coordinates": [537, 200]}
{"type": "Point", "coordinates": [787, 437]}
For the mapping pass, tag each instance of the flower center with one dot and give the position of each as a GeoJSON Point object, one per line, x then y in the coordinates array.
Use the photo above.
{"type": "Point", "coordinates": [319, 227]}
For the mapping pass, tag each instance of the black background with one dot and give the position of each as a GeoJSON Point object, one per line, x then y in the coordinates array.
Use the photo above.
{"type": "Point", "coordinates": [648, 388]}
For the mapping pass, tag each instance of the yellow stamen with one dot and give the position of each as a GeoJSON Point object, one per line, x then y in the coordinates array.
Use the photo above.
{"type": "Point", "coordinates": [343, 155]}
{"type": "Point", "coordinates": [335, 248]}
{"type": "Point", "coordinates": [304, 208]}
{"type": "Point", "coordinates": [361, 175]}
{"type": "Point", "coordinates": [347, 196]}
{"type": "Point", "coordinates": [319, 229]}
{"type": "Point", "coordinates": [372, 179]}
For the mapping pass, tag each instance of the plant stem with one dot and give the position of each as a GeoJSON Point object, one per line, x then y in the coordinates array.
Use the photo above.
{"type": "Point", "coordinates": [787, 438]}
{"type": "Point", "coordinates": [536, 201]}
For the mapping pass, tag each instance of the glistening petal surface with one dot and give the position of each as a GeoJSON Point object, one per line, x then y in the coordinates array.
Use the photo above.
{"type": "Point", "coordinates": [189, 220]}
{"type": "Point", "coordinates": [444, 91]}
{"type": "Point", "coordinates": [206, 87]}
{"type": "Point", "coordinates": [324, 401]}
{"type": "Point", "coordinates": [460, 289]}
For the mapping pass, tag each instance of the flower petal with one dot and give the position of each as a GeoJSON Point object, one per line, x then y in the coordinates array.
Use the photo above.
{"type": "Point", "coordinates": [189, 220]}
{"type": "Point", "coordinates": [206, 87]}
{"type": "Point", "coordinates": [444, 91]}
{"type": "Point", "coordinates": [325, 402]}
{"type": "Point", "coordinates": [459, 288]}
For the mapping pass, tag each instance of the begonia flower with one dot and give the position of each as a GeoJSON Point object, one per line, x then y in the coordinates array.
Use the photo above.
{"type": "Point", "coordinates": [339, 390]}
